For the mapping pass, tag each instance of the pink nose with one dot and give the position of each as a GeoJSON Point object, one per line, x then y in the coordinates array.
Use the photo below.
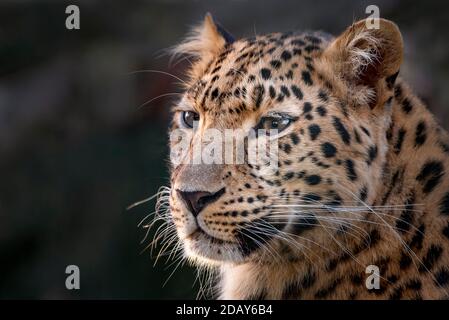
{"type": "Point", "coordinates": [198, 200]}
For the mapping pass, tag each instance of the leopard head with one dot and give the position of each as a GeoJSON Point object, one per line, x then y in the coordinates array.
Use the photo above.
{"type": "Point", "coordinates": [328, 100]}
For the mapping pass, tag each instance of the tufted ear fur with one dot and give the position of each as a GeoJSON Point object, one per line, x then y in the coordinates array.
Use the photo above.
{"type": "Point", "coordinates": [205, 41]}
{"type": "Point", "coordinates": [367, 60]}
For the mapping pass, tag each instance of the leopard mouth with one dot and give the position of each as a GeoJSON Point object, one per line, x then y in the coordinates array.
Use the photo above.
{"type": "Point", "coordinates": [200, 233]}
{"type": "Point", "coordinates": [200, 243]}
{"type": "Point", "coordinates": [206, 248]}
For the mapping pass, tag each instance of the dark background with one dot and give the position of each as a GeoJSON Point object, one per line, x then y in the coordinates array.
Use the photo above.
{"type": "Point", "coordinates": [76, 149]}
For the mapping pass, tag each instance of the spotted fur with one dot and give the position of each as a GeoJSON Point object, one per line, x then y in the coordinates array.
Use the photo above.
{"type": "Point", "coordinates": [362, 176]}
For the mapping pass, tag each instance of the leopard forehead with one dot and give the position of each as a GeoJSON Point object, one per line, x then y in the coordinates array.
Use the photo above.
{"type": "Point", "coordinates": [258, 73]}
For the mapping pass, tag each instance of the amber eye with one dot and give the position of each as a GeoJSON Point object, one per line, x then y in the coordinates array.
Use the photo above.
{"type": "Point", "coordinates": [189, 117]}
{"type": "Point", "coordinates": [277, 122]}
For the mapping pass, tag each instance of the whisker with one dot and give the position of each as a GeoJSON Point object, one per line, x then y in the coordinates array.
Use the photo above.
{"type": "Point", "coordinates": [157, 71]}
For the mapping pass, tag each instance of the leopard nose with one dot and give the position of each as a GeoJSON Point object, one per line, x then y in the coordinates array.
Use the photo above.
{"type": "Point", "coordinates": [198, 200]}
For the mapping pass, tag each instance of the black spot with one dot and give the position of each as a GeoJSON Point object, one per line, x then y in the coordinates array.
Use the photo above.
{"type": "Point", "coordinates": [285, 91]}
{"type": "Point", "coordinates": [303, 223]}
{"type": "Point", "coordinates": [247, 185]}
{"type": "Point", "coordinates": [446, 231]}
{"type": "Point", "coordinates": [397, 92]}
{"type": "Point", "coordinates": [301, 174]}
{"type": "Point", "coordinates": [444, 205]}
{"type": "Point", "coordinates": [418, 238]}
{"type": "Point", "coordinates": [215, 78]}
{"type": "Point", "coordinates": [295, 138]}
{"type": "Point", "coordinates": [297, 52]}
{"type": "Point", "coordinates": [363, 194]}
{"type": "Point", "coordinates": [405, 261]}
{"type": "Point", "coordinates": [293, 290]}
{"type": "Point", "coordinates": [321, 111]}
{"type": "Point", "coordinates": [328, 149]}
{"type": "Point", "coordinates": [259, 92]}
{"type": "Point", "coordinates": [413, 284]}
{"type": "Point", "coordinates": [214, 94]}
{"type": "Point", "coordinates": [286, 55]}
{"type": "Point", "coordinates": [391, 80]}
{"type": "Point", "coordinates": [323, 96]}
{"type": "Point", "coordinates": [357, 136]}
{"type": "Point", "coordinates": [265, 73]}
{"type": "Point", "coordinates": [276, 64]}
{"type": "Point", "coordinates": [357, 279]}
{"type": "Point", "coordinates": [286, 148]}
{"type": "Point", "coordinates": [372, 154]}
{"type": "Point", "coordinates": [311, 197]}
{"type": "Point", "coordinates": [365, 130]}
{"type": "Point", "coordinates": [288, 175]}
{"type": "Point", "coordinates": [241, 57]}
{"type": "Point", "coordinates": [406, 105]}
{"type": "Point", "coordinates": [313, 179]}
{"type": "Point", "coordinates": [308, 280]}
{"type": "Point", "coordinates": [431, 174]}
{"type": "Point", "coordinates": [314, 131]}
{"type": "Point", "coordinates": [344, 108]}
{"type": "Point", "coordinates": [393, 278]}
{"type": "Point", "coordinates": [311, 48]}
{"type": "Point", "coordinates": [298, 42]}
{"type": "Point", "coordinates": [307, 78]}
{"type": "Point", "coordinates": [431, 257]}
{"type": "Point", "coordinates": [307, 107]}
{"type": "Point", "coordinates": [341, 129]}
{"type": "Point", "coordinates": [442, 277]}
{"type": "Point", "coordinates": [313, 39]}
{"type": "Point", "coordinates": [334, 199]}
{"type": "Point", "coordinates": [399, 141]}
{"type": "Point", "coordinates": [272, 92]}
{"type": "Point", "coordinates": [350, 170]}
{"type": "Point", "coordinates": [444, 146]}
{"type": "Point", "coordinates": [404, 222]}
{"type": "Point", "coordinates": [246, 239]}
{"type": "Point", "coordinates": [216, 69]}
{"type": "Point", "coordinates": [325, 292]}
{"type": "Point", "coordinates": [297, 92]}
{"type": "Point", "coordinates": [420, 134]}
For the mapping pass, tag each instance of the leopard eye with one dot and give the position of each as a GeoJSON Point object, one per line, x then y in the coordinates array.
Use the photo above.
{"type": "Point", "coordinates": [189, 117]}
{"type": "Point", "coordinates": [279, 123]}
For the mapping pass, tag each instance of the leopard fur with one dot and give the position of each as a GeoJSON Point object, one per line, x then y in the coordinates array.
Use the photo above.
{"type": "Point", "coordinates": [362, 174]}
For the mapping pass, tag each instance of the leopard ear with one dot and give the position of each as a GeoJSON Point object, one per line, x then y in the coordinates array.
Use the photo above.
{"type": "Point", "coordinates": [367, 59]}
{"type": "Point", "coordinates": [205, 40]}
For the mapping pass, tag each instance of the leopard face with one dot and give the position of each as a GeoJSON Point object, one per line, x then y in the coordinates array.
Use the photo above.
{"type": "Point", "coordinates": [332, 112]}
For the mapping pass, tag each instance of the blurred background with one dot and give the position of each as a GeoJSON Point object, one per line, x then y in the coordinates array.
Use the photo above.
{"type": "Point", "coordinates": [76, 149]}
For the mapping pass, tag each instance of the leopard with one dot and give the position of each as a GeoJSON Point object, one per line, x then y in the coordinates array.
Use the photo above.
{"type": "Point", "coordinates": [360, 192]}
